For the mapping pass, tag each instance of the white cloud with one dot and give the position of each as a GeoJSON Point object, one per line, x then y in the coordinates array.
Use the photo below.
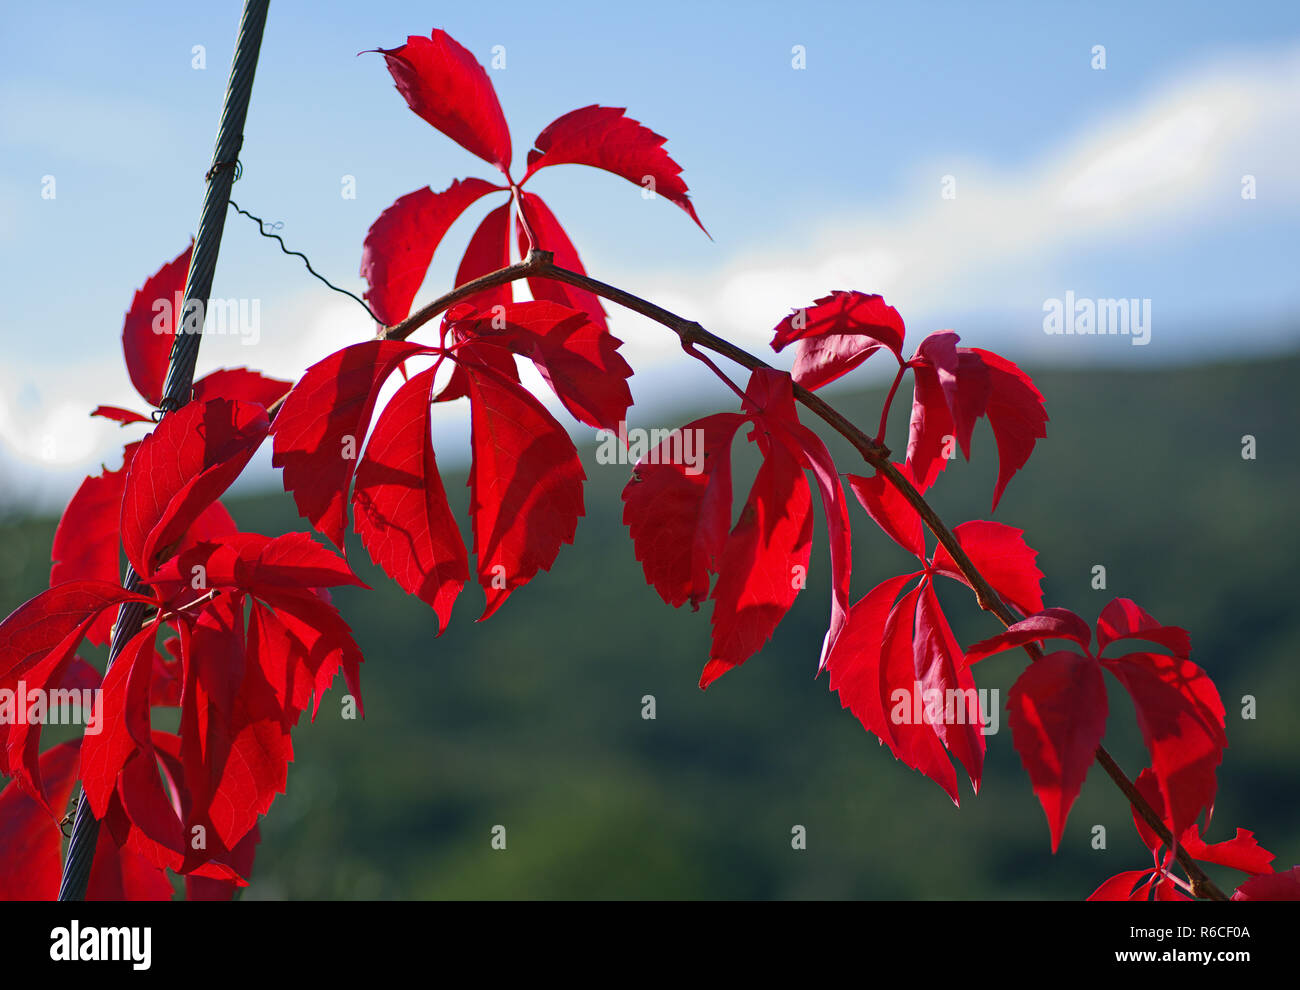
{"type": "Point", "coordinates": [1172, 160]}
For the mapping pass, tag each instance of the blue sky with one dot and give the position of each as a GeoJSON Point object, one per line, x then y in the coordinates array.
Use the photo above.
{"type": "Point", "coordinates": [1117, 182]}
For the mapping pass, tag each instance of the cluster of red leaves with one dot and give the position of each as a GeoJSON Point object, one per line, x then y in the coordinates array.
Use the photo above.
{"type": "Point", "coordinates": [248, 637]}
{"type": "Point", "coordinates": [1158, 882]}
{"type": "Point", "coordinates": [253, 637]}
{"type": "Point", "coordinates": [444, 84]}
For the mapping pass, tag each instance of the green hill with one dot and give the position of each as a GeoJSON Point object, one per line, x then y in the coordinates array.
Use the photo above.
{"type": "Point", "coordinates": [533, 720]}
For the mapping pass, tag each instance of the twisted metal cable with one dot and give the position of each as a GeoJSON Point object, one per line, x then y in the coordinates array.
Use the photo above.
{"type": "Point", "coordinates": [180, 372]}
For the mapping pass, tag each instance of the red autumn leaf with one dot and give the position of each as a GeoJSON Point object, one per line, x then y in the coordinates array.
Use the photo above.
{"type": "Point", "coordinates": [890, 510]}
{"type": "Point", "coordinates": [837, 333]}
{"type": "Point", "coordinates": [770, 398]}
{"type": "Point", "coordinates": [125, 417]}
{"type": "Point", "coordinates": [182, 468]}
{"type": "Point", "coordinates": [443, 83]}
{"type": "Point", "coordinates": [86, 541]}
{"type": "Point", "coordinates": [954, 387]}
{"type": "Point", "coordinates": [31, 861]}
{"type": "Point", "coordinates": [578, 359]}
{"type": "Point", "coordinates": [34, 702]}
{"type": "Point", "coordinates": [1057, 712]}
{"type": "Point", "coordinates": [1182, 721]}
{"type": "Point", "coordinates": [235, 745]}
{"type": "Point", "coordinates": [932, 435]}
{"type": "Point", "coordinates": [400, 245]}
{"type": "Point", "coordinates": [241, 384]}
{"type": "Point", "coordinates": [488, 250]}
{"type": "Point", "coordinates": [1000, 553]}
{"type": "Point", "coordinates": [1122, 887]}
{"type": "Point", "coordinates": [913, 736]}
{"type": "Point", "coordinates": [1241, 852]}
{"type": "Point", "coordinates": [253, 563]}
{"type": "Point", "coordinates": [1052, 623]}
{"type": "Point", "coordinates": [677, 507]}
{"type": "Point", "coordinates": [301, 642]}
{"type": "Point", "coordinates": [127, 730]}
{"type": "Point", "coordinates": [855, 664]}
{"type": "Point", "coordinates": [551, 237]}
{"type": "Point", "coordinates": [936, 658]}
{"type": "Point", "coordinates": [762, 563]}
{"type": "Point", "coordinates": [36, 627]}
{"type": "Point", "coordinates": [1271, 887]}
{"type": "Point", "coordinates": [1016, 413]}
{"type": "Point", "coordinates": [319, 430]}
{"type": "Point", "coordinates": [400, 507]}
{"type": "Point", "coordinates": [604, 138]}
{"type": "Point", "coordinates": [150, 326]}
{"type": "Point", "coordinates": [200, 888]}
{"type": "Point", "coordinates": [525, 485]}
{"type": "Point", "coordinates": [1125, 619]}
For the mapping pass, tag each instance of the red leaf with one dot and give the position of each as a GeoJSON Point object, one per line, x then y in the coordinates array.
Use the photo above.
{"type": "Point", "coordinates": [1016, 413]}
{"type": "Point", "coordinates": [677, 507]}
{"type": "Point", "coordinates": [1271, 887]}
{"type": "Point", "coordinates": [241, 384]}
{"type": "Point", "coordinates": [234, 734]}
{"type": "Point", "coordinates": [604, 138]}
{"type": "Point", "coordinates": [150, 326]}
{"type": "Point", "coordinates": [578, 359]}
{"type": "Point", "coordinates": [400, 245]}
{"type": "Point", "coordinates": [913, 737]}
{"type": "Point", "coordinates": [1181, 718]}
{"type": "Point", "coordinates": [891, 511]}
{"type": "Point", "coordinates": [937, 660]}
{"type": "Point", "coordinates": [126, 729]}
{"type": "Point", "coordinates": [443, 83]}
{"type": "Point", "coordinates": [122, 416]}
{"type": "Point", "coordinates": [488, 250]}
{"type": "Point", "coordinates": [1241, 852]}
{"type": "Point", "coordinates": [551, 237]}
{"type": "Point", "coordinates": [771, 397]}
{"type": "Point", "coordinates": [933, 431]}
{"type": "Point", "coordinates": [36, 627]}
{"type": "Point", "coordinates": [319, 429]}
{"type": "Point", "coordinates": [301, 642]}
{"type": "Point", "coordinates": [1000, 553]}
{"type": "Point", "coordinates": [855, 662]}
{"type": "Point", "coordinates": [86, 541]}
{"type": "Point", "coordinates": [1057, 713]}
{"type": "Point", "coordinates": [762, 564]}
{"type": "Point", "coordinates": [1125, 619]}
{"type": "Point", "coordinates": [837, 333]}
{"type": "Point", "coordinates": [1121, 887]}
{"type": "Point", "coordinates": [1052, 623]}
{"type": "Point", "coordinates": [400, 506]}
{"type": "Point", "coordinates": [182, 468]}
{"type": "Point", "coordinates": [200, 888]}
{"type": "Point", "coordinates": [525, 485]}
{"type": "Point", "coordinates": [31, 860]}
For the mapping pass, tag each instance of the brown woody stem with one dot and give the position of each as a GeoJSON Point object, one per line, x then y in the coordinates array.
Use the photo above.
{"type": "Point", "coordinates": [541, 264]}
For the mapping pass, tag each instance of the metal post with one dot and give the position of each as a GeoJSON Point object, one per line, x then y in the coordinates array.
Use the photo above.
{"type": "Point", "coordinates": [180, 372]}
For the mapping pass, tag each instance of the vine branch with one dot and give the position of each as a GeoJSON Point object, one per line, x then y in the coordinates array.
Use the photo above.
{"type": "Point", "coordinates": [541, 264]}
